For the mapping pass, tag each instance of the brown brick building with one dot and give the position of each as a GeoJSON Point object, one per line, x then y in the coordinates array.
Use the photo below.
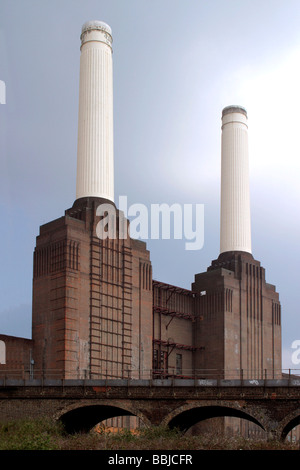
{"type": "Point", "coordinates": [227, 326]}
{"type": "Point", "coordinates": [98, 313]}
{"type": "Point", "coordinates": [92, 299]}
{"type": "Point", "coordinates": [96, 310]}
{"type": "Point", "coordinates": [16, 357]}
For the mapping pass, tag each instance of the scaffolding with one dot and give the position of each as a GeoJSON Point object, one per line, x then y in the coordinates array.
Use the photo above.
{"type": "Point", "coordinates": [175, 345]}
{"type": "Point", "coordinates": [171, 290]}
{"type": "Point", "coordinates": [173, 302]}
{"type": "Point", "coordinates": [173, 313]}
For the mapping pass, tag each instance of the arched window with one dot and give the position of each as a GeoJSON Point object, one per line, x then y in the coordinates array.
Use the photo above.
{"type": "Point", "coordinates": [2, 353]}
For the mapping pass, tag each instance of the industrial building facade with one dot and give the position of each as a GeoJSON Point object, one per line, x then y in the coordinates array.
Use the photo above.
{"type": "Point", "coordinates": [98, 313]}
{"type": "Point", "coordinates": [92, 300]}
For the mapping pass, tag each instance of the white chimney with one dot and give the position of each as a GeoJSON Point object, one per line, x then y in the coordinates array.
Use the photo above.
{"type": "Point", "coordinates": [95, 158]}
{"type": "Point", "coordinates": [235, 195]}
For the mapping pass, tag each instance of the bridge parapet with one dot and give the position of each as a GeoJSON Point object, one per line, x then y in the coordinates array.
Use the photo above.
{"type": "Point", "coordinates": [201, 375]}
{"type": "Point", "coordinates": [287, 382]}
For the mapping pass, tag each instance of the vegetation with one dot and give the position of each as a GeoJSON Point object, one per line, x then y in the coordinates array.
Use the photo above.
{"type": "Point", "coordinates": [47, 435]}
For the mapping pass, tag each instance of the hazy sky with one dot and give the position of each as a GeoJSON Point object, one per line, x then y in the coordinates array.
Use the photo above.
{"type": "Point", "coordinates": [177, 64]}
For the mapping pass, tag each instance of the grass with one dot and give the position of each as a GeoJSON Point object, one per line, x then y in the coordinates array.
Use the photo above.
{"type": "Point", "coordinates": [47, 435]}
{"type": "Point", "coordinates": [30, 435]}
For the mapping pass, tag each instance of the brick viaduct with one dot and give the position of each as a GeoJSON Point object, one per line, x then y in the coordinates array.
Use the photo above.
{"type": "Point", "coordinates": [274, 405]}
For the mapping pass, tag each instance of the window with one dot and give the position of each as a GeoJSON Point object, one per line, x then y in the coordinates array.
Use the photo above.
{"type": "Point", "coordinates": [164, 361]}
{"type": "Point", "coordinates": [2, 353]}
{"type": "Point", "coordinates": [155, 359]}
{"type": "Point", "coordinates": [178, 363]}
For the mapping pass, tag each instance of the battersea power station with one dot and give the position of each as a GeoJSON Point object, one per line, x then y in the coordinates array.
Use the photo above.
{"type": "Point", "coordinates": [96, 310]}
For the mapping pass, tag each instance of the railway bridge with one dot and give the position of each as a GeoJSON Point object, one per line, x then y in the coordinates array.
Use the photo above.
{"type": "Point", "coordinates": [274, 405]}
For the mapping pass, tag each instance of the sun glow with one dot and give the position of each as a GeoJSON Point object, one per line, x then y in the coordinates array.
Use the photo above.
{"type": "Point", "coordinates": [273, 102]}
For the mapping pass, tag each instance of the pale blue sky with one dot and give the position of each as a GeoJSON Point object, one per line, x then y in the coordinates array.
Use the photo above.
{"type": "Point", "coordinates": [177, 64]}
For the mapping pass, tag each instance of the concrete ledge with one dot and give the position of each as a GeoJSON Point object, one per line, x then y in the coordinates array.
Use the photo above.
{"type": "Point", "coordinates": [276, 383]}
{"type": "Point", "coordinates": [288, 382]}
{"type": "Point", "coordinates": [31, 383]}
{"type": "Point", "coordinates": [206, 382]}
{"type": "Point", "coordinates": [51, 382]}
{"type": "Point", "coordinates": [162, 383]}
{"type": "Point", "coordinates": [139, 383]}
{"type": "Point", "coordinates": [12, 382]}
{"type": "Point", "coordinates": [253, 383]}
{"type": "Point", "coordinates": [295, 382]}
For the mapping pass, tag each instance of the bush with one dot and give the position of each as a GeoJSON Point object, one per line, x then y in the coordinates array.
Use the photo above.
{"type": "Point", "coordinates": [29, 435]}
{"type": "Point", "coordinates": [48, 435]}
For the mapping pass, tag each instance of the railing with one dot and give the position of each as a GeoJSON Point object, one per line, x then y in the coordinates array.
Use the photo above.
{"type": "Point", "coordinates": [199, 376]}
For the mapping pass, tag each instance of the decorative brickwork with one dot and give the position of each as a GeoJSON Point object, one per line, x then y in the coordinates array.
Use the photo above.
{"type": "Point", "coordinates": [92, 311]}
{"type": "Point", "coordinates": [243, 330]}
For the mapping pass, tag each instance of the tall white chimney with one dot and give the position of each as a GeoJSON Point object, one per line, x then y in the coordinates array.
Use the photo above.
{"type": "Point", "coordinates": [235, 196]}
{"type": "Point", "coordinates": [95, 158]}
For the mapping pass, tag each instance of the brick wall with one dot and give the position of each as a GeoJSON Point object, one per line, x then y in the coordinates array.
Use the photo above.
{"type": "Point", "coordinates": [15, 356]}
{"type": "Point", "coordinates": [92, 298]}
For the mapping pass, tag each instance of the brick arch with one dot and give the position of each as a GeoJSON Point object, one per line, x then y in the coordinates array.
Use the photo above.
{"type": "Point", "coordinates": [189, 414]}
{"type": "Point", "coordinates": [84, 416]}
{"type": "Point", "coordinates": [288, 423]}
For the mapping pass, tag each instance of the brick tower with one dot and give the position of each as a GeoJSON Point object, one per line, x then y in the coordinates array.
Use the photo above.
{"type": "Point", "coordinates": [240, 327]}
{"type": "Point", "coordinates": [92, 283]}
